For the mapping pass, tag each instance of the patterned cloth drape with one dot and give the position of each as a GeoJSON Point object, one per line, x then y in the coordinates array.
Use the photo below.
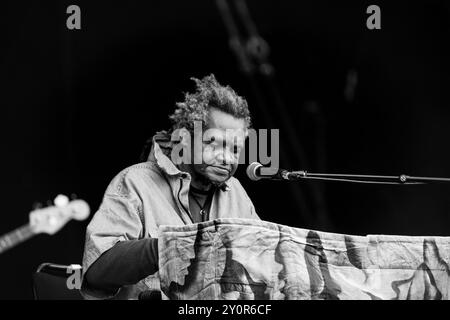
{"type": "Point", "coordinates": [251, 259]}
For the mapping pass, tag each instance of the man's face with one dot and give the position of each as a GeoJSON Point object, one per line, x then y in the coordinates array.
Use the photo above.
{"type": "Point", "coordinates": [222, 143]}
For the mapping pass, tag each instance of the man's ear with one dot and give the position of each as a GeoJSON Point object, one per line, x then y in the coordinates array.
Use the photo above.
{"type": "Point", "coordinates": [181, 135]}
{"type": "Point", "coordinates": [246, 133]}
{"type": "Point", "coordinates": [185, 138]}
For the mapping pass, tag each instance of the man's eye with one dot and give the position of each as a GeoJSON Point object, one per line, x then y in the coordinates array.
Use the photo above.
{"type": "Point", "coordinates": [209, 141]}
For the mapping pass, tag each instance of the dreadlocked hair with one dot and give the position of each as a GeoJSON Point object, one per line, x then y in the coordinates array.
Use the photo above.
{"type": "Point", "coordinates": [209, 94]}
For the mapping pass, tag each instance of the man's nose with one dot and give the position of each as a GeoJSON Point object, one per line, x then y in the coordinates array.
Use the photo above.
{"type": "Point", "coordinates": [226, 157]}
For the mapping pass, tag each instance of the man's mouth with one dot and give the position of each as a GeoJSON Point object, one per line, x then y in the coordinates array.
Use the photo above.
{"type": "Point", "coordinates": [221, 170]}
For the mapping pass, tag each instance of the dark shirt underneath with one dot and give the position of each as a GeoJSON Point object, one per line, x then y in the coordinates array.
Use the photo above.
{"type": "Point", "coordinates": [125, 263]}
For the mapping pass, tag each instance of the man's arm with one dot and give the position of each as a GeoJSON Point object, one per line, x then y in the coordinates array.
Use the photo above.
{"type": "Point", "coordinates": [117, 248]}
{"type": "Point", "coordinates": [125, 263]}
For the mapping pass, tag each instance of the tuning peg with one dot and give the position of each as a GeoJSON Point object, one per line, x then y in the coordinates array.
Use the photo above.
{"type": "Point", "coordinates": [36, 205]}
{"type": "Point", "coordinates": [61, 200]}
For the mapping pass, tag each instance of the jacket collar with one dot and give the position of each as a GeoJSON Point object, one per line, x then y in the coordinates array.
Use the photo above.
{"type": "Point", "coordinates": [160, 154]}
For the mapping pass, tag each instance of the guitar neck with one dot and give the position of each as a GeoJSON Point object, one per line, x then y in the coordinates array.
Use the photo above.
{"type": "Point", "coordinates": [15, 237]}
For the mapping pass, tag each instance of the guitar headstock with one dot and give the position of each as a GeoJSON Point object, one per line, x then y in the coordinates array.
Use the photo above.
{"type": "Point", "coordinates": [51, 219]}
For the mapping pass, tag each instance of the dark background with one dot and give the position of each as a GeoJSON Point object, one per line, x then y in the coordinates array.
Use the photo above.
{"type": "Point", "coordinates": [77, 107]}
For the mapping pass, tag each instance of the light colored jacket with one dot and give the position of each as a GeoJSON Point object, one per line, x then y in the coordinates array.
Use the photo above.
{"type": "Point", "coordinates": [145, 196]}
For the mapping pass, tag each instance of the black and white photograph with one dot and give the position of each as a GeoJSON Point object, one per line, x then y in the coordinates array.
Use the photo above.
{"type": "Point", "coordinates": [225, 150]}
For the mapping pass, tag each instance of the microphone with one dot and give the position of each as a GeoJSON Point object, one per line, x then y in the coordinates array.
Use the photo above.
{"type": "Point", "coordinates": [254, 173]}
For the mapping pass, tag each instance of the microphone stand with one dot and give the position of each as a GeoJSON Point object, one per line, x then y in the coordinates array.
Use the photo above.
{"type": "Point", "coordinates": [356, 178]}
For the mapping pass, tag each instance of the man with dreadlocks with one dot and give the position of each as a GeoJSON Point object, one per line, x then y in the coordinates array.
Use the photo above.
{"type": "Point", "coordinates": [179, 183]}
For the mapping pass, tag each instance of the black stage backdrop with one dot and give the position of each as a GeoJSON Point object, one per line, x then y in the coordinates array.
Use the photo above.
{"type": "Point", "coordinates": [78, 105]}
